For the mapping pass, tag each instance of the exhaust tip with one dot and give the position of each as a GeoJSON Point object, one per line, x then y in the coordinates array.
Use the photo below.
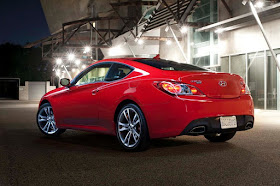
{"type": "Point", "coordinates": [198, 130]}
{"type": "Point", "coordinates": [249, 125]}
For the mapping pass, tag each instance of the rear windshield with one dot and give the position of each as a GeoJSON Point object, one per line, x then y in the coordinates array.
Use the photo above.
{"type": "Point", "coordinates": [169, 65]}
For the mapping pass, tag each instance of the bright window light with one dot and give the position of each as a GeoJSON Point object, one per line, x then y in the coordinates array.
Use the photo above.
{"type": "Point", "coordinates": [114, 51]}
{"type": "Point", "coordinates": [71, 56]}
{"type": "Point", "coordinates": [58, 61]}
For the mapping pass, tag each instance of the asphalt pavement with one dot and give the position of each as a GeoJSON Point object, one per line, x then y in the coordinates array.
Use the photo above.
{"type": "Point", "coordinates": [27, 157]}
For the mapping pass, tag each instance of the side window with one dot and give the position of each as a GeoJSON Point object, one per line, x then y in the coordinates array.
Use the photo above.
{"type": "Point", "coordinates": [118, 71]}
{"type": "Point", "coordinates": [96, 74]}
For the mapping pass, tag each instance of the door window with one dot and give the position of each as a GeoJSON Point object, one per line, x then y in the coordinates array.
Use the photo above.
{"type": "Point", "coordinates": [118, 71]}
{"type": "Point", "coordinates": [94, 75]}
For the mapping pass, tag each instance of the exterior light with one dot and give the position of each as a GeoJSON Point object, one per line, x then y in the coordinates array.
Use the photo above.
{"type": "Point", "coordinates": [58, 61]}
{"type": "Point", "coordinates": [57, 72]}
{"type": "Point", "coordinates": [184, 29]}
{"type": "Point", "coordinates": [259, 4]}
{"type": "Point", "coordinates": [71, 57]}
{"type": "Point", "coordinates": [140, 41]}
{"type": "Point", "coordinates": [87, 49]}
{"type": "Point", "coordinates": [113, 51]}
{"type": "Point", "coordinates": [168, 42]}
{"type": "Point", "coordinates": [77, 62]}
{"type": "Point", "coordinates": [83, 66]}
{"type": "Point", "coordinates": [219, 30]}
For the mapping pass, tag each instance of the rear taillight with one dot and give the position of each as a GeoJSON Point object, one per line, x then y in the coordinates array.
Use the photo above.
{"type": "Point", "coordinates": [175, 88]}
{"type": "Point", "coordinates": [245, 90]}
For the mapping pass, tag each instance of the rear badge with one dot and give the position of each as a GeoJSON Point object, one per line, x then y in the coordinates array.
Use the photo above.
{"type": "Point", "coordinates": [223, 83]}
{"type": "Point", "coordinates": [196, 81]}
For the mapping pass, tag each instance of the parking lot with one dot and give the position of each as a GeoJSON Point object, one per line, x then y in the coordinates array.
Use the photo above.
{"type": "Point", "coordinates": [27, 157]}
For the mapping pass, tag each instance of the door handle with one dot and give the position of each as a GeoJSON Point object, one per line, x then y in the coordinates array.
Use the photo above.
{"type": "Point", "coordinates": [94, 91]}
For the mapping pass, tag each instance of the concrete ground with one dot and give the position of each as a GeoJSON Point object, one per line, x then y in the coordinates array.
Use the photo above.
{"type": "Point", "coordinates": [27, 157]}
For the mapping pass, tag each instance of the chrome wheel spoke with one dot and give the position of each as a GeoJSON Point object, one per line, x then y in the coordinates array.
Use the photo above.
{"type": "Point", "coordinates": [126, 115]}
{"type": "Point", "coordinates": [42, 118]}
{"type": "Point", "coordinates": [127, 131]}
{"type": "Point", "coordinates": [123, 129]}
{"type": "Point", "coordinates": [136, 133]}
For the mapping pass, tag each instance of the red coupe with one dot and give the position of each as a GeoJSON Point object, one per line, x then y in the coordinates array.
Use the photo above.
{"type": "Point", "coordinates": [138, 99]}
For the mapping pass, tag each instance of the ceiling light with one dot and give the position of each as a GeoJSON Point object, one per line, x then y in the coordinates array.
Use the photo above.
{"type": "Point", "coordinates": [71, 56]}
{"type": "Point", "coordinates": [140, 41]}
{"type": "Point", "coordinates": [87, 49]}
{"type": "Point", "coordinates": [168, 42]}
{"type": "Point", "coordinates": [57, 72]}
{"type": "Point", "coordinates": [259, 4]}
{"type": "Point", "coordinates": [58, 61]}
{"type": "Point", "coordinates": [219, 30]}
{"type": "Point", "coordinates": [184, 29]}
{"type": "Point", "coordinates": [77, 62]}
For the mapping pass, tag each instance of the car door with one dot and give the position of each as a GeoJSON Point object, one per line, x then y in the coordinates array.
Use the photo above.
{"type": "Point", "coordinates": [81, 100]}
{"type": "Point", "coordinates": [110, 94]}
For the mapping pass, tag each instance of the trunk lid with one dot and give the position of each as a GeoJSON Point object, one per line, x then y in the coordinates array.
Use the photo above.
{"type": "Point", "coordinates": [215, 85]}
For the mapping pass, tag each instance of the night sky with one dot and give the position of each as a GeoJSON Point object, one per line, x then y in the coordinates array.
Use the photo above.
{"type": "Point", "coordinates": [22, 21]}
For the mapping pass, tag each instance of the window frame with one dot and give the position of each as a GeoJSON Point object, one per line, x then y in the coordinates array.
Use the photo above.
{"type": "Point", "coordinates": [125, 65]}
{"type": "Point", "coordinates": [85, 71]}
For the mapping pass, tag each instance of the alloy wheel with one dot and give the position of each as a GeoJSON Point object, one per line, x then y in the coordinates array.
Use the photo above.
{"type": "Point", "coordinates": [46, 120]}
{"type": "Point", "coordinates": [129, 127]}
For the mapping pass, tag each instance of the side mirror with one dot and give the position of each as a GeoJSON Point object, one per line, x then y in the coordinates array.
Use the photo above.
{"type": "Point", "coordinates": [65, 82]}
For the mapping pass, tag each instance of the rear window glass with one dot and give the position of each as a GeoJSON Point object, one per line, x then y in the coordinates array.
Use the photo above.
{"type": "Point", "coordinates": [169, 65]}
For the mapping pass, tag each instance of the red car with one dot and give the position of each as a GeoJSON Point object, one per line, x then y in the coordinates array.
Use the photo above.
{"type": "Point", "coordinates": [138, 99]}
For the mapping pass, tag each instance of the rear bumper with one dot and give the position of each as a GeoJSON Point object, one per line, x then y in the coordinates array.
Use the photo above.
{"type": "Point", "coordinates": [171, 118]}
{"type": "Point", "coordinates": [212, 125]}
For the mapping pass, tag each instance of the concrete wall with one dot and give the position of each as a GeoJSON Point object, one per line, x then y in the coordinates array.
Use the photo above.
{"type": "Point", "coordinates": [248, 39]}
{"type": "Point", "coordinates": [172, 52]}
{"type": "Point", "coordinates": [24, 93]}
{"type": "Point", "coordinates": [58, 12]}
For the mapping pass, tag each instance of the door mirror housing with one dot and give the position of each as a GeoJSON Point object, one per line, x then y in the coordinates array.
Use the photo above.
{"type": "Point", "coordinates": [65, 82]}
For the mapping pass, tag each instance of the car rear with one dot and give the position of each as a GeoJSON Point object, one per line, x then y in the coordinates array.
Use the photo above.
{"type": "Point", "coordinates": [203, 102]}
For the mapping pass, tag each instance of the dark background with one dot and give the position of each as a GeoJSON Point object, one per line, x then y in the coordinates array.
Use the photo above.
{"type": "Point", "coordinates": [22, 21]}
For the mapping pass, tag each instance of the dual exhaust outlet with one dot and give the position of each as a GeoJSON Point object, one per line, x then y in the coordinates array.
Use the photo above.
{"type": "Point", "coordinates": [202, 129]}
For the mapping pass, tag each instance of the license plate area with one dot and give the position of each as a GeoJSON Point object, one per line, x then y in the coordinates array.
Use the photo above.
{"type": "Point", "coordinates": [228, 122]}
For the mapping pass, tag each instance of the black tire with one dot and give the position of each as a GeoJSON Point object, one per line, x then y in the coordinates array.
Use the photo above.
{"type": "Point", "coordinates": [56, 131]}
{"type": "Point", "coordinates": [219, 137]}
{"type": "Point", "coordinates": [139, 128]}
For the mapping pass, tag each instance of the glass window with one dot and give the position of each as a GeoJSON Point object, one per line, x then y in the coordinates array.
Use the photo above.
{"type": "Point", "coordinates": [118, 71]}
{"type": "Point", "coordinates": [202, 61]}
{"type": "Point", "coordinates": [256, 78]}
{"type": "Point", "coordinates": [96, 74]}
{"type": "Point", "coordinates": [238, 65]}
{"type": "Point", "coordinates": [271, 84]}
{"type": "Point", "coordinates": [225, 64]}
{"type": "Point", "coordinates": [169, 65]}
